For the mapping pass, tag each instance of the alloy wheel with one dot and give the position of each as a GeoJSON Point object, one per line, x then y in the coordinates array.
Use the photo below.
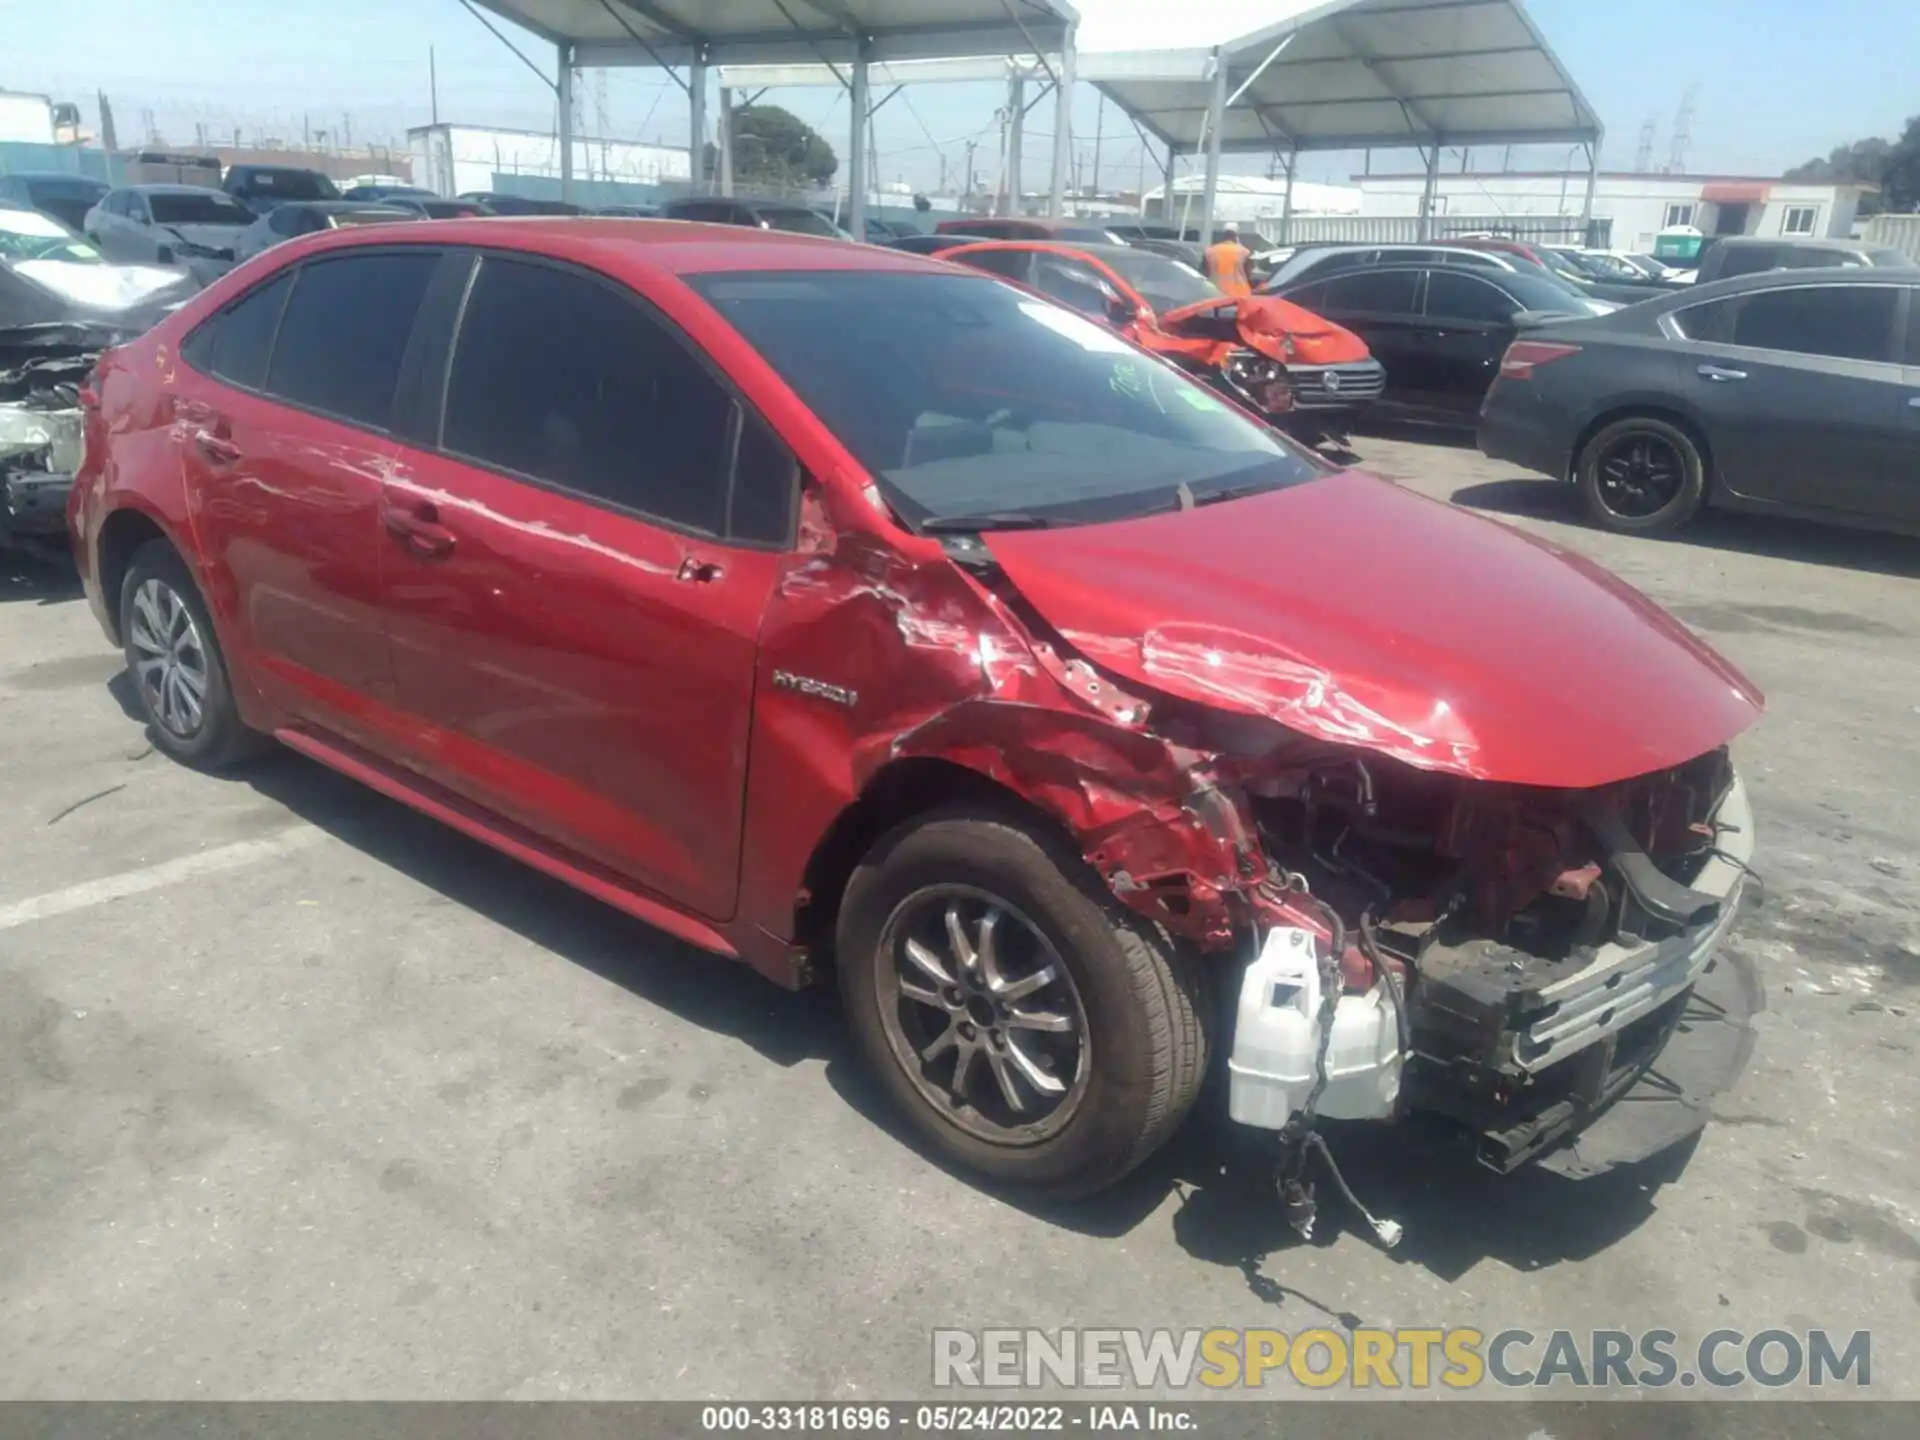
{"type": "Point", "coordinates": [170, 663]}
{"type": "Point", "coordinates": [1640, 474]}
{"type": "Point", "coordinates": [982, 1014]}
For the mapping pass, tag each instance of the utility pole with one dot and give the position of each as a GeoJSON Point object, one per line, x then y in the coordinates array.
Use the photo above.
{"type": "Point", "coordinates": [346, 131]}
{"type": "Point", "coordinates": [433, 85]}
{"type": "Point", "coordinates": [1099, 118]}
{"type": "Point", "coordinates": [972, 145]}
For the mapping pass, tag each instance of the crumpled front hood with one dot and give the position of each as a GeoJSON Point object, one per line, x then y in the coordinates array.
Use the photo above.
{"type": "Point", "coordinates": [1265, 322]}
{"type": "Point", "coordinates": [1360, 613]}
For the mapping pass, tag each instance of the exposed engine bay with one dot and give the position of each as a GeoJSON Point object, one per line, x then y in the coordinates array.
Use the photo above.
{"type": "Point", "coordinates": [42, 368]}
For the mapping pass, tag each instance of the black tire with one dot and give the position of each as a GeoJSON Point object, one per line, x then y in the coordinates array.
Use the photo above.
{"type": "Point", "coordinates": [1145, 1019]}
{"type": "Point", "coordinates": [1663, 479]}
{"type": "Point", "coordinates": [219, 738]}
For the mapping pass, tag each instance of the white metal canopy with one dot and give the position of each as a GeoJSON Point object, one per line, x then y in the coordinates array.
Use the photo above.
{"type": "Point", "coordinates": [839, 33]}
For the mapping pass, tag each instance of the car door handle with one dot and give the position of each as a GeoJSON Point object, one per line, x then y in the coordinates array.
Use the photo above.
{"type": "Point", "coordinates": [219, 451]}
{"type": "Point", "coordinates": [419, 528]}
{"type": "Point", "coordinates": [698, 572]}
{"type": "Point", "coordinates": [1715, 373]}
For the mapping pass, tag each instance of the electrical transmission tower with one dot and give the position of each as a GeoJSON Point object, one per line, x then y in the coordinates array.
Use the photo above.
{"type": "Point", "coordinates": [1683, 131]}
{"type": "Point", "coordinates": [1643, 157]}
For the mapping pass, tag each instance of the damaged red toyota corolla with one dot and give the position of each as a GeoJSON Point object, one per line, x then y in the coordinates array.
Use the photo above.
{"type": "Point", "coordinates": [826, 605]}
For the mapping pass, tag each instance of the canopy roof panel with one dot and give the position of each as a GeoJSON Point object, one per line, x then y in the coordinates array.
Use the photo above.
{"type": "Point", "coordinates": [752, 32]}
{"type": "Point", "coordinates": [1354, 74]}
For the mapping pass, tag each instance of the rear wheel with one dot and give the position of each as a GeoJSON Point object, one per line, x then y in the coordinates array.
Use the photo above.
{"type": "Point", "coordinates": [1027, 1025]}
{"type": "Point", "coordinates": [1642, 476]}
{"type": "Point", "coordinates": [175, 662]}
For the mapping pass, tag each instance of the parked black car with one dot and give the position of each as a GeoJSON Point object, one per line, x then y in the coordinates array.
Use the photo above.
{"type": "Point", "coordinates": [1796, 392]}
{"type": "Point", "coordinates": [261, 187]}
{"type": "Point", "coordinates": [931, 244]}
{"type": "Point", "coordinates": [1439, 330]}
{"type": "Point", "coordinates": [67, 198]}
{"type": "Point", "coordinates": [432, 207]}
{"type": "Point", "coordinates": [760, 214]}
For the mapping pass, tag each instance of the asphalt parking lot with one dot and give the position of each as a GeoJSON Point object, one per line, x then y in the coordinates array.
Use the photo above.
{"type": "Point", "coordinates": [302, 1095]}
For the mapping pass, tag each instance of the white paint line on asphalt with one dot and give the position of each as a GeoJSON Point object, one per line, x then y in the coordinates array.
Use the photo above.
{"type": "Point", "coordinates": [153, 877]}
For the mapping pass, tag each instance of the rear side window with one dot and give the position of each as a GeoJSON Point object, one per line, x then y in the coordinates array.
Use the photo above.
{"type": "Point", "coordinates": [1012, 264]}
{"type": "Point", "coordinates": [345, 333]}
{"type": "Point", "coordinates": [236, 345]}
{"type": "Point", "coordinates": [560, 378]}
{"type": "Point", "coordinates": [1840, 322]}
{"type": "Point", "coordinates": [1748, 259]}
{"type": "Point", "coordinates": [1703, 322]}
{"type": "Point", "coordinates": [1072, 284]}
{"type": "Point", "coordinates": [1378, 292]}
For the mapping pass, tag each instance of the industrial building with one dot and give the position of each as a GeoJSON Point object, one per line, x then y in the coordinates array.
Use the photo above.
{"type": "Point", "coordinates": [456, 159]}
{"type": "Point", "coordinates": [1639, 206]}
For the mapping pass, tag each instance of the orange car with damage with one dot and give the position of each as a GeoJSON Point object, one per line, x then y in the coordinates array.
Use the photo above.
{"type": "Point", "coordinates": [1307, 375]}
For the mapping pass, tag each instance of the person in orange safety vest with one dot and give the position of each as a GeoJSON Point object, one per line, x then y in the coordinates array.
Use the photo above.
{"type": "Point", "coordinates": [1227, 263]}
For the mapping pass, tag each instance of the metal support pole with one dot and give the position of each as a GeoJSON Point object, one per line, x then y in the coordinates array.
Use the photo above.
{"type": "Point", "coordinates": [725, 129]}
{"type": "Point", "coordinates": [697, 124]}
{"type": "Point", "coordinates": [1166, 193]}
{"type": "Point", "coordinates": [563, 96]}
{"type": "Point", "coordinates": [1426, 195]}
{"type": "Point", "coordinates": [1062, 126]}
{"type": "Point", "coordinates": [1593, 184]}
{"type": "Point", "coordinates": [1286, 205]}
{"type": "Point", "coordinates": [857, 150]}
{"type": "Point", "coordinates": [1016, 135]}
{"type": "Point", "coordinates": [1216, 122]}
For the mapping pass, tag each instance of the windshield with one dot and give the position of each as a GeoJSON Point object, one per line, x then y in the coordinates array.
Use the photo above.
{"type": "Point", "coordinates": [799, 221]}
{"type": "Point", "coordinates": [211, 208]}
{"type": "Point", "coordinates": [29, 235]}
{"type": "Point", "coordinates": [966, 397]}
{"type": "Point", "coordinates": [1166, 284]}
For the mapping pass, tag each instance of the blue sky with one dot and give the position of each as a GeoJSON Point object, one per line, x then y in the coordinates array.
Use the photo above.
{"type": "Point", "coordinates": [1780, 80]}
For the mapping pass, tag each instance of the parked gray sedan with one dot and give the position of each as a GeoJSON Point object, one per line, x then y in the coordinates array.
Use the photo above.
{"type": "Point", "coordinates": [165, 224]}
{"type": "Point", "coordinates": [1796, 392]}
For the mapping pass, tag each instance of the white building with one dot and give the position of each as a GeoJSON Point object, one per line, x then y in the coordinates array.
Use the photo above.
{"type": "Point", "coordinates": [1640, 206]}
{"type": "Point", "coordinates": [454, 159]}
{"type": "Point", "coordinates": [1247, 199]}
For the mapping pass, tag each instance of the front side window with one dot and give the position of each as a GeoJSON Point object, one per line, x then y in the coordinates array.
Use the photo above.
{"type": "Point", "coordinates": [345, 333]}
{"type": "Point", "coordinates": [1008, 264]}
{"type": "Point", "coordinates": [1164, 284]}
{"type": "Point", "coordinates": [1375, 292]}
{"type": "Point", "coordinates": [1840, 322]}
{"type": "Point", "coordinates": [1748, 260]}
{"type": "Point", "coordinates": [1074, 285]}
{"type": "Point", "coordinates": [1452, 296]}
{"type": "Point", "coordinates": [561, 378]}
{"type": "Point", "coordinates": [973, 403]}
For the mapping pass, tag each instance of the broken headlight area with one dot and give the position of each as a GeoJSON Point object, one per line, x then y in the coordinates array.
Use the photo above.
{"type": "Point", "coordinates": [42, 427]}
{"type": "Point", "coordinates": [1511, 959]}
{"type": "Point", "coordinates": [1259, 381]}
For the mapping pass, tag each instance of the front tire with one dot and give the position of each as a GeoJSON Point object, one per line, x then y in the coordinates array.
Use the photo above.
{"type": "Point", "coordinates": [1642, 476]}
{"type": "Point", "coordinates": [175, 662]}
{"type": "Point", "coordinates": [1030, 1028]}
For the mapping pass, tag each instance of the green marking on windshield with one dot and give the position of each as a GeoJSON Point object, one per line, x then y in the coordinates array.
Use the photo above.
{"type": "Point", "coordinates": [1198, 399]}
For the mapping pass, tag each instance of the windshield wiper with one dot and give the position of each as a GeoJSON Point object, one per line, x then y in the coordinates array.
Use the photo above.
{"type": "Point", "coordinates": [993, 520]}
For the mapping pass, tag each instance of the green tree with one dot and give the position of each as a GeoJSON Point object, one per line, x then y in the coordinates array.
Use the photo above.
{"type": "Point", "coordinates": [1893, 165]}
{"type": "Point", "coordinates": [773, 146]}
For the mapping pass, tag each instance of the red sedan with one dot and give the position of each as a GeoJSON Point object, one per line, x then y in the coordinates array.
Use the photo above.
{"type": "Point", "coordinates": [1306, 374]}
{"type": "Point", "coordinates": [841, 611]}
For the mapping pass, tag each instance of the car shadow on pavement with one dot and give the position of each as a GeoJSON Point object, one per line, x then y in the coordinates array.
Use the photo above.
{"type": "Point", "coordinates": [1534, 498]}
{"type": "Point", "coordinates": [35, 579]}
{"type": "Point", "coordinates": [719, 995]}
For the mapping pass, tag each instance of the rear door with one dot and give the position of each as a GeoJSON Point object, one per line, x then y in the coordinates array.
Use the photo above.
{"type": "Point", "coordinates": [579, 551]}
{"type": "Point", "coordinates": [285, 442]}
{"type": "Point", "coordinates": [1804, 398]}
{"type": "Point", "coordinates": [1469, 323]}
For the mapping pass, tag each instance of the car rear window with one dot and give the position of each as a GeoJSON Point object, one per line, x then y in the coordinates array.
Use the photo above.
{"type": "Point", "coordinates": [211, 208]}
{"type": "Point", "coordinates": [797, 221]}
{"type": "Point", "coordinates": [288, 185]}
{"type": "Point", "coordinates": [345, 331]}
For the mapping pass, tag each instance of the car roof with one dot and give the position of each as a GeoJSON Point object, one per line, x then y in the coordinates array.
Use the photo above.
{"type": "Point", "coordinates": [1107, 253]}
{"type": "Point", "coordinates": [1800, 242]}
{"type": "Point", "coordinates": [338, 207]}
{"type": "Point", "coordinates": [634, 246]}
{"type": "Point", "coordinates": [63, 175]}
{"type": "Point", "coordinates": [159, 189]}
